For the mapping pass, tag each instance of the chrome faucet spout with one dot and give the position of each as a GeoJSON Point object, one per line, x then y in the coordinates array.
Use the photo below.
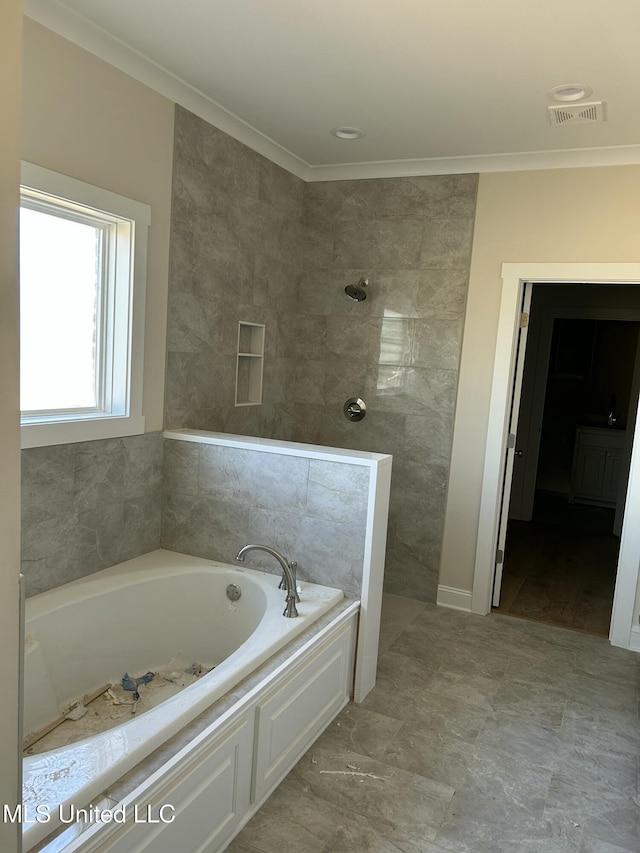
{"type": "Point", "coordinates": [288, 575]}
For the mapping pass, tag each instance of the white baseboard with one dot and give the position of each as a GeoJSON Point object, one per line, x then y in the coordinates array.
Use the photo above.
{"type": "Point", "coordinates": [634, 638]}
{"type": "Point", "coordinates": [457, 599]}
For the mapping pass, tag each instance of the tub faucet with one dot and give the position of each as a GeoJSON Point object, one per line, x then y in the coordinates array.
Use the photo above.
{"type": "Point", "coordinates": [288, 575]}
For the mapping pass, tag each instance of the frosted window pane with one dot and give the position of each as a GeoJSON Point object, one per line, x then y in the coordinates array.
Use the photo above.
{"type": "Point", "coordinates": [59, 292]}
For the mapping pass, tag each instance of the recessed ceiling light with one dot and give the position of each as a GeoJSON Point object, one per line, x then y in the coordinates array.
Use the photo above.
{"type": "Point", "coordinates": [569, 92]}
{"type": "Point", "coordinates": [348, 132]}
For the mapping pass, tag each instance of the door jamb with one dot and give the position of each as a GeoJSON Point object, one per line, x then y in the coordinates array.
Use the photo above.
{"type": "Point", "coordinates": [514, 278]}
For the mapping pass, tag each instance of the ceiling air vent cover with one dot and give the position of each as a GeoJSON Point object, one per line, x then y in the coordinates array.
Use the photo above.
{"type": "Point", "coordinates": [577, 113]}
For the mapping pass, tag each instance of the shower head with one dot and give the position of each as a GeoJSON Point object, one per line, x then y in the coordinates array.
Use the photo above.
{"type": "Point", "coordinates": [356, 291]}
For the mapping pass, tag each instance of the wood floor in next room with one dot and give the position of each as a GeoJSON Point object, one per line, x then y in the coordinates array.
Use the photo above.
{"type": "Point", "coordinates": [560, 567]}
{"type": "Point", "coordinates": [483, 735]}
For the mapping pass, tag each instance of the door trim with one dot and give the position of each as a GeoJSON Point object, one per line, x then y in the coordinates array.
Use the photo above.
{"type": "Point", "coordinates": [514, 277]}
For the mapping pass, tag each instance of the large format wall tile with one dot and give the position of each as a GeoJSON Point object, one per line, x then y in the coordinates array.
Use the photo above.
{"type": "Point", "coordinates": [399, 349]}
{"type": "Point", "coordinates": [252, 242]}
{"type": "Point", "coordinates": [87, 506]}
{"type": "Point", "coordinates": [236, 254]}
{"type": "Point", "coordinates": [217, 499]}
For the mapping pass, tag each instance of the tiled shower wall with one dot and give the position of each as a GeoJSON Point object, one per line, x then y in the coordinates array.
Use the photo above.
{"type": "Point", "coordinates": [218, 499]}
{"type": "Point", "coordinates": [398, 350]}
{"type": "Point", "coordinates": [87, 506]}
{"type": "Point", "coordinates": [236, 250]}
{"type": "Point", "coordinates": [251, 242]}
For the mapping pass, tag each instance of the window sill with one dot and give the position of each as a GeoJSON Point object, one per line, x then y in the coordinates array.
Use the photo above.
{"type": "Point", "coordinates": [88, 429]}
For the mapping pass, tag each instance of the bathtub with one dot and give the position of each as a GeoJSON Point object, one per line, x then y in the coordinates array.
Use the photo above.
{"type": "Point", "coordinates": [134, 618]}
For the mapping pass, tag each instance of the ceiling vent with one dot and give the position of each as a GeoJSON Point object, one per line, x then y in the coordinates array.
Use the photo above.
{"type": "Point", "coordinates": [577, 113]}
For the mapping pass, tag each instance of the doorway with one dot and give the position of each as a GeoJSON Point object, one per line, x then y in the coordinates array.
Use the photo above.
{"type": "Point", "coordinates": [517, 277]}
{"type": "Point", "coordinates": [578, 404]}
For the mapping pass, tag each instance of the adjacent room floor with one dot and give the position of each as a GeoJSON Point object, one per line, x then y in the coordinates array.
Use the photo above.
{"type": "Point", "coordinates": [560, 568]}
{"type": "Point", "coordinates": [482, 735]}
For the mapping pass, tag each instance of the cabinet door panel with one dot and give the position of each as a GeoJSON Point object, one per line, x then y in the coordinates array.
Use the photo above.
{"type": "Point", "coordinates": [612, 472]}
{"type": "Point", "coordinates": [590, 463]}
{"type": "Point", "coordinates": [205, 803]}
{"type": "Point", "coordinates": [290, 720]}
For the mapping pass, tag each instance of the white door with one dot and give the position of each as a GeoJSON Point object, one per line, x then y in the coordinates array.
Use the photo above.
{"type": "Point", "coordinates": [512, 447]}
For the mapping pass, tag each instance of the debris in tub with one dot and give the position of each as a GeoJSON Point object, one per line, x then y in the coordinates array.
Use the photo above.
{"type": "Point", "coordinates": [132, 684]}
{"type": "Point", "coordinates": [76, 713]}
{"type": "Point", "coordinates": [118, 705]}
{"type": "Point", "coordinates": [171, 677]}
{"type": "Point", "coordinates": [35, 737]}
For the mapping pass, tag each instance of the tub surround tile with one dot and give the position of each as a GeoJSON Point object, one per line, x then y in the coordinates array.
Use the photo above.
{"type": "Point", "coordinates": [89, 505]}
{"type": "Point", "coordinates": [141, 524]}
{"type": "Point", "coordinates": [240, 476]}
{"type": "Point", "coordinates": [181, 467]}
{"type": "Point", "coordinates": [101, 530]}
{"type": "Point", "coordinates": [50, 554]}
{"type": "Point", "coordinates": [336, 494]}
{"type": "Point", "coordinates": [143, 464]}
{"type": "Point", "coordinates": [313, 511]}
{"type": "Point", "coordinates": [332, 551]}
{"type": "Point", "coordinates": [98, 473]}
{"type": "Point", "coordinates": [47, 483]}
{"type": "Point", "coordinates": [203, 526]}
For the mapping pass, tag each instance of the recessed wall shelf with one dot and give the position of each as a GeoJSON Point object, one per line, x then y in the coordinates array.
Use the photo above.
{"type": "Point", "coordinates": [249, 364]}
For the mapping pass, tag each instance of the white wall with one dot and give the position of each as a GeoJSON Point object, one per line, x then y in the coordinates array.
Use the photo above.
{"type": "Point", "coordinates": [84, 118]}
{"type": "Point", "coordinates": [564, 216]}
{"type": "Point", "coordinates": [10, 44]}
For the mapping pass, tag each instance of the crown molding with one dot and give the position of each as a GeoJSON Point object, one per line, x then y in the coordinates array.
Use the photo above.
{"type": "Point", "coordinates": [526, 161]}
{"type": "Point", "coordinates": [87, 35]}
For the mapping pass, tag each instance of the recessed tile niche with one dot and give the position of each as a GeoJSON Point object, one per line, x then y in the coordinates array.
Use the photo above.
{"type": "Point", "coordinates": [249, 364]}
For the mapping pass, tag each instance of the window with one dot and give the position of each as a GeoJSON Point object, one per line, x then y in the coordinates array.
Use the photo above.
{"type": "Point", "coordinates": [82, 282]}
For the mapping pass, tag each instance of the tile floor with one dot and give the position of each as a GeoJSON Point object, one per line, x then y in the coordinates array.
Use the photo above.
{"type": "Point", "coordinates": [483, 734]}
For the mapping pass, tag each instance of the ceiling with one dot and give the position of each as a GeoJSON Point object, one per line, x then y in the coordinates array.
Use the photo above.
{"type": "Point", "coordinates": [438, 86]}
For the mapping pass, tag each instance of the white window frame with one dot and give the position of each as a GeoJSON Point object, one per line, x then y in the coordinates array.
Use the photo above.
{"type": "Point", "coordinates": [120, 412]}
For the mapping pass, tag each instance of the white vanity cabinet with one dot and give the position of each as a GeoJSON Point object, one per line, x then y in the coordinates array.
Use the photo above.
{"type": "Point", "coordinates": [597, 465]}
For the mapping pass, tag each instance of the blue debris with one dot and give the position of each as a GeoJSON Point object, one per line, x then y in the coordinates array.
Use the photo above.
{"type": "Point", "coordinates": [132, 684]}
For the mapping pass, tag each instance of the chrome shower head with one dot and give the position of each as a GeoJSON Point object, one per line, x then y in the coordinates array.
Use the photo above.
{"type": "Point", "coordinates": [356, 291]}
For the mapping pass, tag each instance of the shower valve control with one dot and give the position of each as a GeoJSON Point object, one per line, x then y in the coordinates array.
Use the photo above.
{"type": "Point", "coordinates": [354, 409]}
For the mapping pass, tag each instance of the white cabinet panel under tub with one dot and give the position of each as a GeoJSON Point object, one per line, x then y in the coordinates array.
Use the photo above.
{"type": "Point", "coordinates": [199, 799]}
{"type": "Point", "coordinates": [294, 713]}
{"type": "Point", "coordinates": [201, 804]}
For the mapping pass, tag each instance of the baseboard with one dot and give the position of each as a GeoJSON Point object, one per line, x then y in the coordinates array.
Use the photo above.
{"type": "Point", "coordinates": [457, 599]}
{"type": "Point", "coordinates": [634, 638]}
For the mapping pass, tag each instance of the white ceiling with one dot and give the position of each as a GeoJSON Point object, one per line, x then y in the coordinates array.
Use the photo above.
{"type": "Point", "coordinates": [439, 86]}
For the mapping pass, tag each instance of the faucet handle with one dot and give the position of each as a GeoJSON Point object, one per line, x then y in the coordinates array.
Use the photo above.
{"type": "Point", "coordinates": [282, 585]}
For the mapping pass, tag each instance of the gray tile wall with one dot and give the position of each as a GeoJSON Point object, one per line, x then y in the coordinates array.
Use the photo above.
{"type": "Point", "coordinates": [87, 506]}
{"type": "Point", "coordinates": [399, 349]}
{"type": "Point", "coordinates": [217, 499]}
{"type": "Point", "coordinates": [251, 242]}
{"type": "Point", "coordinates": [236, 252]}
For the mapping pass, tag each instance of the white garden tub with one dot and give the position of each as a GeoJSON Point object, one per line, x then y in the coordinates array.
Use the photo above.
{"type": "Point", "coordinates": [137, 617]}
